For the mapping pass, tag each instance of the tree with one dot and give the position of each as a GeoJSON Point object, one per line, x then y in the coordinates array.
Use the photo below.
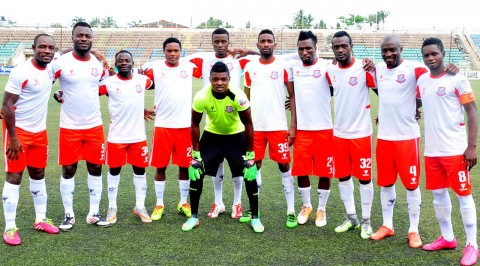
{"type": "Point", "coordinates": [77, 19]}
{"type": "Point", "coordinates": [95, 22]}
{"type": "Point", "coordinates": [11, 22]}
{"type": "Point", "coordinates": [302, 21]}
{"type": "Point", "coordinates": [352, 20]}
{"type": "Point", "coordinates": [211, 23]}
{"type": "Point", "coordinates": [108, 22]}
{"type": "Point", "coordinates": [56, 25]}
{"type": "Point", "coordinates": [381, 16]}
{"type": "Point", "coordinates": [247, 26]}
{"type": "Point", "coordinates": [228, 26]}
{"type": "Point", "coordinates": [321, 25]}
{"type": "Point", "coordinates": [135, 23]}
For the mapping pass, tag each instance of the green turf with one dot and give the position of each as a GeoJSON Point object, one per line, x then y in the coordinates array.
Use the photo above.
{"type": "Point", "coordinates": [220, 241]}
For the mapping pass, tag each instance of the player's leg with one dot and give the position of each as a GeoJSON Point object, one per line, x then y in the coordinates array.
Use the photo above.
{"type": "Point", "coordinates": [302, 166]}
{"type": "Point", "coordinates": [10, 196]}
{"type": "Point", "coordinates": [116, 158]}
{"type": "Point", "coordinates": [137, 156]}
{"type": "Point", "coordinates": [183, 206]}
{"type": "Point", "coordinates": [323, 192]}
{"type": "Point", "coordinates": [181, 156]}
{"type": "Point", "coordinates": [159, 184]}
{"type": "Point", "coordinates": [218, 190]}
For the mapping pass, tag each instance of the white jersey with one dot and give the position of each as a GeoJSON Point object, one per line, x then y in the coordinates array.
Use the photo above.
{"type": "Point", "coordinates": [397, 100]}
{"type": "Point", "coordinates": [126, 102]}
{"type": "Point", "coordinates": [173, 93]}
{"type": "Point", "coordinates": [442, 98]}
{"type": "Point", "coordinates": [33, 86]}
{"type": "Point", "coordinates": [351, 100]}
{"type": "Point", "coordinates": [79, 81]}
{"type": "Point", "coordinates": [312, 95]}
{"type": "Point", "coordinates": [267, 93]}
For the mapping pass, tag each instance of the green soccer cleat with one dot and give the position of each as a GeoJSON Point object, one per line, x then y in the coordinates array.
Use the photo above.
{"type": "Point", "coordinates": [191, 223]}
{"type": "Point", "coordinates": [257, 225]}
{"type": "Point", "coordinates": [291, 220]}
{"type": "Point", "coordinates": [157, 213]}
{"type": "Point", "coordinates": [185, 209]}
{"type": "Point", "coordinates": [366, 227]}
{"type": "Point", "coordinates": [246, 218]}
{"type": "Point", "coordinates": [346, 226]}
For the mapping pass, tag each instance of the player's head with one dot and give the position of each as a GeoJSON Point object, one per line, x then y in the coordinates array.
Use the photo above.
{"type": "Point", "coordinates": [307, 47]}
{"type": "Point", "coordinates": [124, 63]}
{"type": "Point", "coordinates": [391, 49]}
{"type": "Point", "coordinates": [43, 49]}
{"type": "Point", "coordinates": [82, 36]}
{"type": "Point", "coordinates": [220, 42]}
{"type": "Point", "coordinates": [219, 77]}
{"type": "Point", "coordinates": [433, 54]}
{"type": "Point", "coordinates": [266, 43]}
{"type": "Point", "coordinates": [172, 49]}
{"type": "Point", "coordinates": [342, 47]}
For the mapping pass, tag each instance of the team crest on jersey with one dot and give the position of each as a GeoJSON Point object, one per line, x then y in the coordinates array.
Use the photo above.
{"type": "Point", "coordinates": [242, 102]}
{"type": "Point", "coordinates": [95, 71]}
{"type": "Point", "coordinates": [441, 91]}
{"type": "Point", "coordinates": [317, 73]}
{"type": "Point", "coordinates": [353, 81]}
{"type": "Point", "coordinates": [36, 82]}
{"type": "Point", "coordinates": [228, 109]}
{"type": "Point", "coordinates": [401, 78]}
{"type": "Point", "coordinates": [138, 88]}
{"type": "Point", "coordinates": [230, 66]}
{"type": "Point", "coordinates": [183, 74]}
{"type": "Point", "coordinates": [274, 75]}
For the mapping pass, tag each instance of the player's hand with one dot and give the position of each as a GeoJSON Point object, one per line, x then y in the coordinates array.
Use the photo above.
{"type": "Point", "coordinates": [451, 69]}
{"type": "Point", "coordinates": [196, 168]}
{"type": "Point", "coordinates": [242, 52]}
{"type": "Point", "coordinates": [470, 157]}
{"type": "Point", "coordinates": [148, 115]}
{"type": "Point", "coordinates": [368, 65]}
{"type": "Point", "coordinates": [287, 104]}
{"type": "Point", "coordinates": [250, 168]}
{"type": "Point", "coordinates": [14, 149]}
{"type": "Point", "coordinates": [291, 136]}
{"type": "Point", "coordinates": [58, 96]}
{"type": "Point", "coordinates": [418, 115]}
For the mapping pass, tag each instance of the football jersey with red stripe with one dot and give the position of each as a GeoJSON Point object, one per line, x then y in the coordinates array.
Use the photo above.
{"type": "Point", "coordinates": [267, 93]}
{"type": "Point", "coordinates": [126, 102]}
{"type": "Point", "coordinates": [312, 95]}
{"type": "Point", "coordinates": [352, 100]}
{"type": "Point", "coordinates": [173, 93]}
{"type": "Point", "coordinates": [397, 100]}
{"type": "Point", "coordinates": [33, 86]}
{"type": "Point", "coordinates": [442, 99]}
{"type": "Point", "coordinates": [79, 81]}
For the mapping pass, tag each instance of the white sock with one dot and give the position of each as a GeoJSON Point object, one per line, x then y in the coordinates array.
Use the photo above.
{"type": "Point", "coordinates": [237, 189]}
{"type": "Point", "coordinates": [366, 197]}
{"type": "Point", "coordinates": [140, 183]}
{"type": "Point", "coordinates": [414, 201]}
{"type": "Point", "coordinates": [112, 184]}
{"type": "Point", "coordinates": [95, 189]}
{"type": "Point", "coordinates": [10, 196]}
{"type": "Point", "coordinates": [288, 189]}
{"type": "Point", "coordinates": [39, 195]}
{"type": "Point", "coordinates": [259, 180]}
{"type": "Point", "coordinates": [469, 217]}
{"type": "Point", "coordinates": [184, 186]}
{"type": "Point", "coordinates": [346, 194]}
{"type": "Point", "coordinates": [443, 211]}
{"type": "Point", "coordinates": [388, 196]}
{"type": "Point", "coordinates": [218, 185]}
{"type": "Point", "coordinates": [323, 195]}
{"type": "Point", "coordinates": [305, 195]}
{"type": "Point", "coordinates": [159, 190]}
{"type": "Point", "coordinates": [67, 188]}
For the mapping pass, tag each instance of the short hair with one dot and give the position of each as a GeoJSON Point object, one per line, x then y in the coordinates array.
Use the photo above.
{"type": "Point", "coordinates": [342, 33]}
{"type": "Point", "coordinates": [220, 31]}
{"type": "Point", "coordinates": [266, 31]}
{"type": "Point", "coordinates": [219, 67]}
{"type": "Point", "coordinates": [123, 52]}
{"type": "Point", "coordinates": [305, 35]}
{"type": "Point", "coordinates": [170, 40]}
{"type": "Point", "coordinates": [40, 35]}
{"type": "Point", "coordinates": [81, 24]}
{"type": "Point", "coordinates": [433, 40]}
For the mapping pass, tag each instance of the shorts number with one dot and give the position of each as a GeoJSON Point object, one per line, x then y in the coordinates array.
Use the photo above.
{"type": "Point", "coordinates": [283, 147]}
{"type": "Point", "coordinates": [144, 151]}
{"type": "Point", "coordinates": [102, 152]}
{"type": "Point", "coordinates": [330, 161]}
{"type": "Point", "coordinates": [413, 170]}
{"type": "Point", "coordinates": [189, 152]}
{"type": "Point", "coordinates": [462, 177]}
{"type": "Point", "coordinates": [365, 163]}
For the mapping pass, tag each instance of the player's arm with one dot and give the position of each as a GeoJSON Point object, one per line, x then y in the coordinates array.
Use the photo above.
{"type": "Point", "coordinates": [292, 131]}
{"type": "Point", "coordinates": [14, 146]}
{"type": "Point", "coordinates": [196, 119]}
{"type": "Point", "coordinates": [470, 154]}
{"type": "Point", "coordinates": [196, 168]}
{"type": "Point", "coordinates": [418, 105]}
{"type": "Point", "coordinates": [247, 92]}
{"type": "Point", "coordinates": [246, 118]}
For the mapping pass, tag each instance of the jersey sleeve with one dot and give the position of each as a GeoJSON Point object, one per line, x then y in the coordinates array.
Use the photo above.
{"type": "Point", "coordinates": [463, 89]}
{"type": "Point", "coordinates": [371, 79]}
{"type": "Point", "coordinates": [420, 71]}
{"type": "Point", "coordinates": [198, 102]}
{"type": "Point", "coordinates": [241, 101]}
{"type": "Point", "coordinates": [248, 80]}
{"type": "Point", "coordinates": [102, 89]}
{"type": "Point", "coordinates": [148, 83]}
{"type": "Point", "coordinates": [419, 95]}
{"type": "Point", "coordinates": [149, 73]}
{"type": "Point", "coordinates": [16, 82]}
{"type": "Point", "coordinates": [328, 79]}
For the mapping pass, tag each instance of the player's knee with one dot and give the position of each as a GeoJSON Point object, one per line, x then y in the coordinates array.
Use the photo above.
{"type": "Point", "coordinates": [68, 171]}
{"type": "Point", "coordinates": [115, 171]}
{"type": "Point", "coordinates": [94, 169]}
{"type": "Point", "coordinates": [14, 178]}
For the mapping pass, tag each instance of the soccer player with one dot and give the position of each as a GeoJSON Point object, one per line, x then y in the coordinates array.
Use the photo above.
{"type": "Point", "coordinates": [450, 153]}
{"type": "Point", "coordinates": [127, 141]}
{"type": "Point", "coordinates": [352, 131]}
{"type": "Point", "coordinates": [25, 144]}
{"type": "Point", "coordinates": [171, 138]}
{"type": "Point", "coordinates": [81, 130]}
{"type": "Point", "coordinates": [228, 134]}
{"type": "Point", "coordinates": [265, 82]}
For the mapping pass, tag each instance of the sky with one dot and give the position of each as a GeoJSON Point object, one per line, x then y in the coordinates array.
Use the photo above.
{"type": "Point", "coordinates": [406, 14]}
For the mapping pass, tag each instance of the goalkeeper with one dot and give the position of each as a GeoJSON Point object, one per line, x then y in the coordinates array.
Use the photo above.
{"type": "Point", "coordinates": [228, 134]}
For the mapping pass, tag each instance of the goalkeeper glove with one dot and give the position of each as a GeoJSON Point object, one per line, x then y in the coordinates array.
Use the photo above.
{"type": "Point", "coordinates": [250, 170]}
{"type": "Point", "coordinates": [196, 167]}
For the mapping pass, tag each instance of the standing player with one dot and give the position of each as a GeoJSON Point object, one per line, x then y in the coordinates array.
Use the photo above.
{"type": "Point", "coordinates": [450, 153]}
{"type": "Point", "coordinates": [81, 130]}
{"type": "Point", "coordinates": [25, 143]}
{"type": "Point", "coordinates": [352, 131]}
{"type": "Point", "coordinates": [228, 135]}
{"type": "Point", "coordinates": [265, 81]}
{"type": "Point", "coordinates": [127, 141]}
{"type": "Point", "coordinates": [171, 138]}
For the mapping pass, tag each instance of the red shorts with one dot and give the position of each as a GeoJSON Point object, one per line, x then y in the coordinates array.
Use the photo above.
{"type": "Point", "coordinates": [278, 148]}
{"type": "Point", "coordinates": [353, 157]}
{"type": "Point", "coordinates": [136, 154]}
{"type": "Point", "coordinates": [400, 157]}
{"type": "Point", "coordinates": [448, 171]}
{"type": "Point", "coordinates": [35, 150]}
{"type": "Point", "coordinates": [174, 142]}
{"type": "Point", "coordinates": [81, 144]}
{"type": "Point", "coordinates": [313, 153]}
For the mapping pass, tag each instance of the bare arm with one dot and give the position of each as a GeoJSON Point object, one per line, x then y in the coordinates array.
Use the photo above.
{"type": "Point", "coordinates": [246, 118]}
{"type": "Point", "coordinates": [196, 119]}
{"type": "Point", "coordinates": [470, 154]}
{"type": "Point", "coordinates": [247, 92]}
{"type": "Point", "coordinates": [14, 146]}
{"type": "Point", "coordinates": [293, 113]}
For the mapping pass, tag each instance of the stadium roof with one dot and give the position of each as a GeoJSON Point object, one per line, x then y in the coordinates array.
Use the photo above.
{"type": "Point", "coordinates": [162, 24]}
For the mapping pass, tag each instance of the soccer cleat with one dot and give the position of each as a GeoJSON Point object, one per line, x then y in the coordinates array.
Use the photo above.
{"type": "Point", "coordinates": [366, 227]}
{"type": "Point", "coordinates": [291, 220]}
{"type": "Point", "coordinates": [257, 225]}
{"type": "Point", "coordinates": [216, 210]}
{"type": "Point", "coordinates": [470, 256]}
{"type": "Point", "coordinates": [382, 232]}
{"type": "Point", "coordinates": [97, 220]}
{"type": "Point", "coordinates": [191, 223]}
{"type": "Point", "coordinates": [47, 226]}
{"type": "Point", "coordinates": [304, 215]}
{"type": "Point", "coordinates": [237, 211]}
{"type": "Point", "coordinates": [112, 215]}
{"type": "Point", "coordinates": [67, 223]}
{"type": "Point", "coordinates": [346, 226]}
{"type": "Point", "coordinates": [11, 237]}
{"type": "Point", "coordinates": [157, 212]}
{"type": "Point", "coordinates": [321, 218]}
{"type": "Point", "coordinates": [142, 214]}
{"type": "Point", "coordinates": [414, 240]}
{"type": "Point", "coordinates": [246, 218]}
{"type": "Point", "coordinates": [440, 243]}
{"type": "Point", "coordinates": [185, 209]}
